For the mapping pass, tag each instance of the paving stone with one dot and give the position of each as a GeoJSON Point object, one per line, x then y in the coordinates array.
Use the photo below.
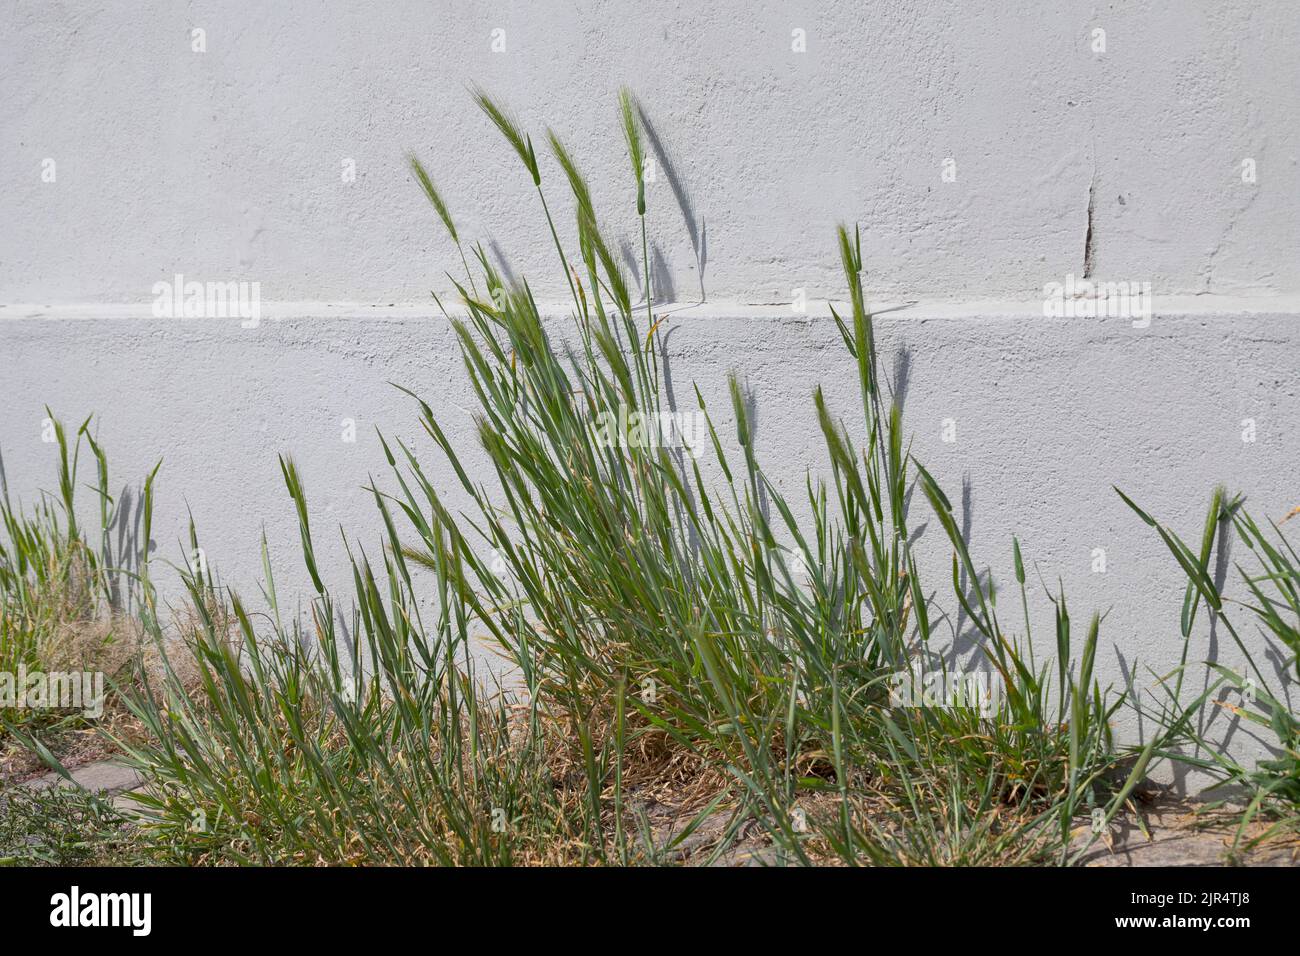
{"type": "Point", "coordinates": [1186, 849]}
{"type": "Point", "coordinates": [1180, 837]}
{"type": "Point", "coordinates": [128, 806]}
{"type": "Point", "coordinates": [104, 776]}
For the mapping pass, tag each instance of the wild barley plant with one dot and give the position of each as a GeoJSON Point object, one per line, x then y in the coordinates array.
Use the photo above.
{"type": "Point", "coordinates": [1272, 603]}
{"type": "Point", "coordinates": [627, 569]}
{"type": "Point", "coordinates": [64, 586]}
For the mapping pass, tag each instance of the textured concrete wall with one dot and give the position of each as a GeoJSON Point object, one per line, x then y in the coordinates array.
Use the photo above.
{"type": "Point", "coordinates": [228, 164]}
{"type": "Point", "coordinates": [987, 149]}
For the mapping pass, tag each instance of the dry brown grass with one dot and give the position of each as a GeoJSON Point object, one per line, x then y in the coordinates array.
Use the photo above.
{"type": "Point", "coordinates": [79, 636]}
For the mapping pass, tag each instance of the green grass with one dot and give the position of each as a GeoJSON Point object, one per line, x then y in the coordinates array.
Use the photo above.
{"type": "Point", "coordinates": [662, 647]}
{"type": "Point", "coordinates": [65, 826]}
{"type": "Point", "coordinates": [62, 586]}
{"type": "Point", "coordinates": [1270, 585]}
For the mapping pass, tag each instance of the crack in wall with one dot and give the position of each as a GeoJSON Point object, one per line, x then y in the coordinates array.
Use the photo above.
{"type": "Point", "coordinates": [1089, 240]}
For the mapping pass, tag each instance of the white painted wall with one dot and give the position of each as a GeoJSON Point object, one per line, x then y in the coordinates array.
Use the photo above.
{"type": "Point", "coordinates": [226, 165]}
